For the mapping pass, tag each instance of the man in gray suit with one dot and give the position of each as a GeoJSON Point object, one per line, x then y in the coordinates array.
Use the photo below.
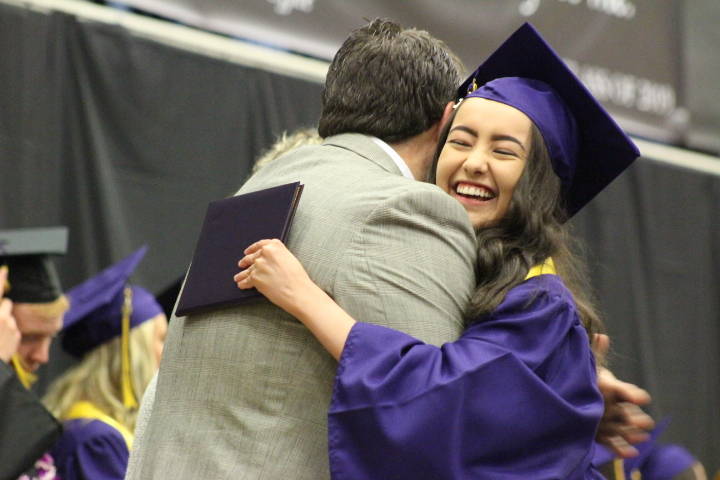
{"type": "Point", "coordinates": [243, 392]}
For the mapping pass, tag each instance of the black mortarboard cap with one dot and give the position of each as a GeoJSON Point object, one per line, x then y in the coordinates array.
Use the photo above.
{"type": "Point", "coordinates": [27, 252]}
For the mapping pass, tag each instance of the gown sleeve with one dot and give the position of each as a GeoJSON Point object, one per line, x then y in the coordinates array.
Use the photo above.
{"type": "Point", "coordinates": [514, 398]}
{"type": "Point", "coordinates": [27, 429]}
{"type": "Point", "coordinates": [91, 450]}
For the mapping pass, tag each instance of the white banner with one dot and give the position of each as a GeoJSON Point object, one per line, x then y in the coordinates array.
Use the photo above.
{"type": "Point", "coordinates": [626, 51]}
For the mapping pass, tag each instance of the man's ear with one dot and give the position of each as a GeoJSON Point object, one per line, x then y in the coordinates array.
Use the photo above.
{"type": "Point", "coordinates": [444, 119]}
{"type": "Point", "coordinates": [446, 114]}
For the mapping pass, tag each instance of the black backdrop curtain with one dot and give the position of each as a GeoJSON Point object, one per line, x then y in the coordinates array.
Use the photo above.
{"type": "Point", "coordinates": [126, 140]}
{"type": "Point", "coordinates": [653, 238]}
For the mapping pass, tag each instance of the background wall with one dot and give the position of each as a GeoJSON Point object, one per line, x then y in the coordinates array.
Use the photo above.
{"type": "Point", "coordinates": [126, 139]}
{"type": "Point", "coordinates": [653, 238]}
{"type": "Point", "coordinates": [654, 63]}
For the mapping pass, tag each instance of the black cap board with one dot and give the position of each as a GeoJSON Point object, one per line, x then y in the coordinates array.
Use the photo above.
{"type": "Point", "coordinates": [32, 277]}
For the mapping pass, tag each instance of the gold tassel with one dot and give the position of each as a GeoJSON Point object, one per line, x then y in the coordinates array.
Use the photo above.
{"type": "Point", "coordinates": [127, 390]}
{"type": "Point", "coordinates": [618, 469]}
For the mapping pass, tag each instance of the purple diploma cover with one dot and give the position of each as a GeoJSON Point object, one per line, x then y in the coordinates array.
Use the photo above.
{"type": "Point", "coordinates": [230, 226]}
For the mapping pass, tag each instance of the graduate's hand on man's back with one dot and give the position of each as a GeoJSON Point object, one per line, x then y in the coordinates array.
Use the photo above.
{"type": "Point", "coordinates": [623, 423]}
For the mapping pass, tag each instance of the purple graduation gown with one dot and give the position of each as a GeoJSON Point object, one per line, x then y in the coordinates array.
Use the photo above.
{"type": "Point", "coordinates": [90, 450]}
{"type": "Point", "coordinates": [514, 398]}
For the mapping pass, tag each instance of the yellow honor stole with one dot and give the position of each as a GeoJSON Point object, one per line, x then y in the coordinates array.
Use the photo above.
{"type": "Point", "coordinates": [26, 378]}
{"type": "Point", "coordinates": [547, 267]}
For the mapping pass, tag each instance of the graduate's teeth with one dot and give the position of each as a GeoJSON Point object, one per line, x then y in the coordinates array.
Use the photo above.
{"type": "Point", "coordinates": [473, 191]}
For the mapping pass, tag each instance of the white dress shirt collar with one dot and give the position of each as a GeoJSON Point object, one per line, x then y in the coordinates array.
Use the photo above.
{"type": "Point", "coordinates": [402, 166]}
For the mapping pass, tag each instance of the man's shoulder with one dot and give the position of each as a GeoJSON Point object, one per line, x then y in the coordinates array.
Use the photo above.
{"type": "Point", "coordinates": [349, 166]}
{"type": "Point", "coordinates": [348, 145]}
{"type": "Point", "coordinates": [424, 200]}
{"type": "Point", "coordinates": [347, 189]}
{"type": "Point", "coordinates": [416, 189]}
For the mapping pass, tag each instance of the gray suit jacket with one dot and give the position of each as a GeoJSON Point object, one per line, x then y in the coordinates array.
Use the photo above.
{"type": "Point", "coordinates": [243, 392]}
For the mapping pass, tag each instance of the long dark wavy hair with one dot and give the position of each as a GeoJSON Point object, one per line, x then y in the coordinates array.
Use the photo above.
{"type": "Point", "coordinates": [533, 229]}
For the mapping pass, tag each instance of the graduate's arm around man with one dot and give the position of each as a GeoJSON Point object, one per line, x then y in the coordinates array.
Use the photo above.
{"type": "Point", "coordinates": [624, 423]}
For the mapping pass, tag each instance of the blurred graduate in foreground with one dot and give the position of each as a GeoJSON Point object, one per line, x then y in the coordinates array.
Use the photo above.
{"type": "Point", "coordinates": [32, 305]}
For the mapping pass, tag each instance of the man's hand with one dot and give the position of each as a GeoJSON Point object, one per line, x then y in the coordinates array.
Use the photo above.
{"type": "Point", "coordinates": [623, 423]}
{"type": "Point", "coordinates": [9, 333]}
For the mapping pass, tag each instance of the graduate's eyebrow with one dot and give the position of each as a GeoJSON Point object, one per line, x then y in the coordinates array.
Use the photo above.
{"type": "Point", "coordinates": [464, 129]}
{"type": "Point", "coordinates": [510, 138]}
{"type": "Point", "coordinates": [495, 138]}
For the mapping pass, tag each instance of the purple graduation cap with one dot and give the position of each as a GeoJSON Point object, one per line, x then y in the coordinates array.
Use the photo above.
{"type": "Point", "coordinates": [654, 460]}
{"type": "Point", "coordinates": [96, 307]}
{"type": "Point", "coordinates": [105, 307]}
{"type": "Point", "coordinates": [667, 461]}
{"type": "Point", "coordinates": [587, 148]}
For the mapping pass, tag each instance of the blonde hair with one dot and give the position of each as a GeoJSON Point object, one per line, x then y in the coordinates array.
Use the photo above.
{"type": "Point", "coordinates": [285, 143]}
{"type": "Point", "coordinates": [97, 378]}
{"type": "Point", "coordinates": [50, 310]}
